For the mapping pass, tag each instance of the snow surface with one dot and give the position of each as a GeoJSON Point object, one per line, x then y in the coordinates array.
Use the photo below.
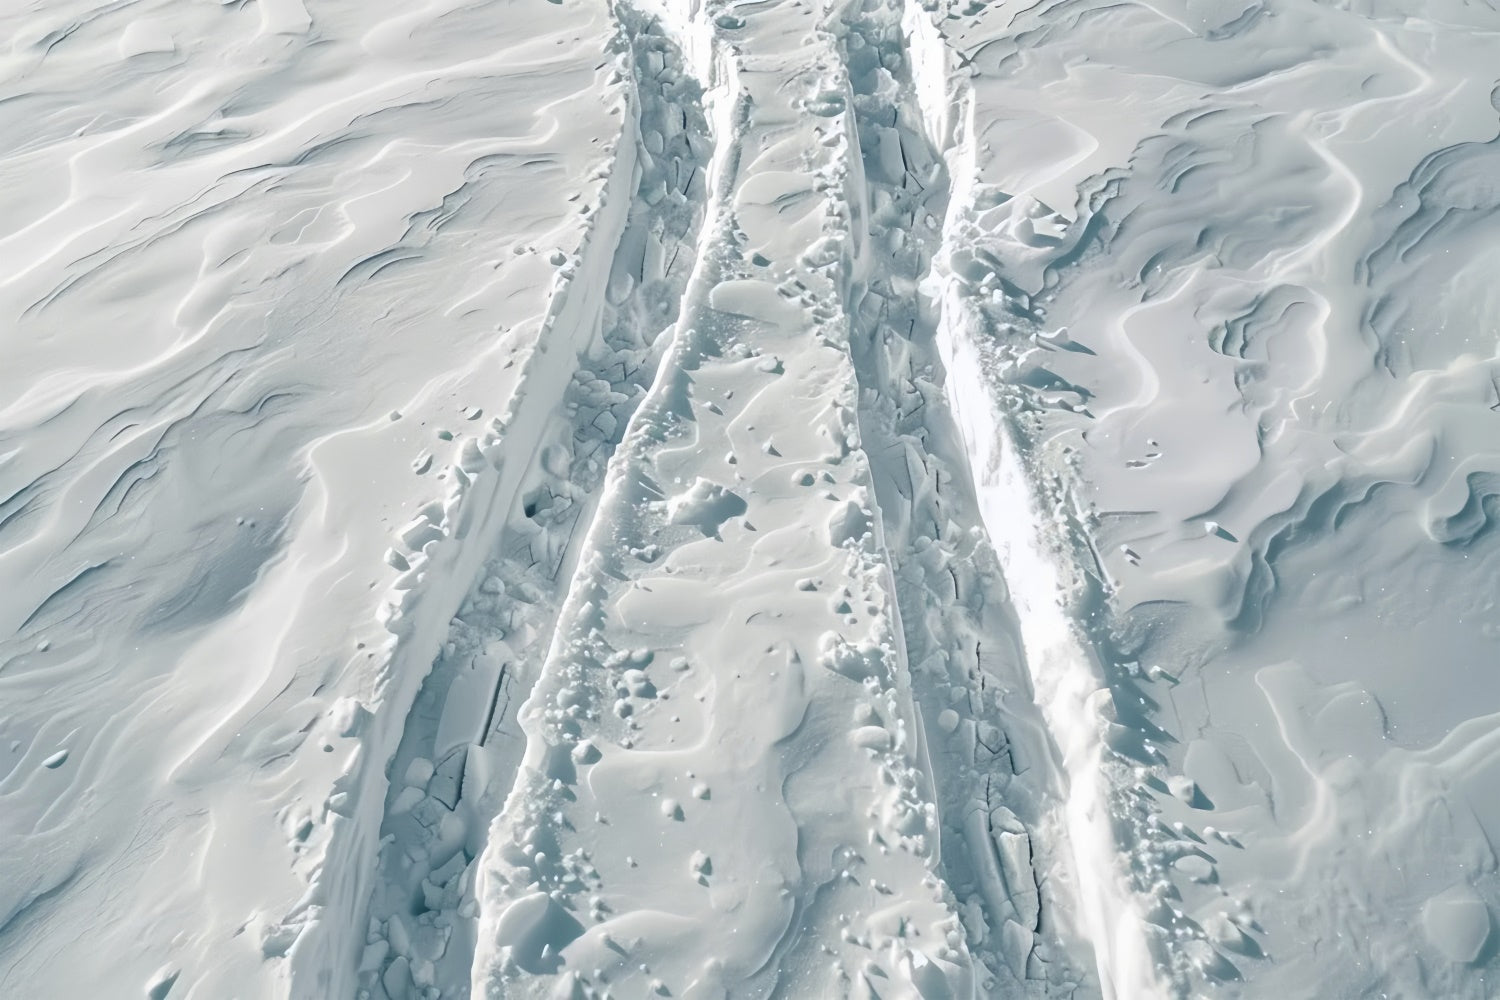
{"type": "Point", "coordinates": [749, 499]}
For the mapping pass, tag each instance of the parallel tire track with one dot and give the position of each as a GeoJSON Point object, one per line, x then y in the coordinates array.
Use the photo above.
{"type": "Point", "coordinates": [697, 812]}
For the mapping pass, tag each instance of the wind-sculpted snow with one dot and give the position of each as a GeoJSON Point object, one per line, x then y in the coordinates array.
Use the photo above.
{"type": "Point", "coordinates": [1233, 270]}
{"type": "Point", "coordinates": [749, 499]}
{"type": "Point", "coordinates": [264, 272]}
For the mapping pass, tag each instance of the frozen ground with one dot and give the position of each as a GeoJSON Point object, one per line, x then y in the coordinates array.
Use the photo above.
{"type": "Point", "coordinates": [760, 499]}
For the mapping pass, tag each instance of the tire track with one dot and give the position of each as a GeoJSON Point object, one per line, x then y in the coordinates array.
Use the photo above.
{"type": "Point", "coordinates": [996, 772]}
{"type": "Point", "coordinates": [1028, 517]}
{"type": "Point", "coordinates": [457, 748]}
{"type": "Point", "coordinates": [697, 813]}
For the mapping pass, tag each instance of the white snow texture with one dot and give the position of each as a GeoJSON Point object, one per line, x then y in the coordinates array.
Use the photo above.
{"type": "Point", "coordinates": [940, 499]}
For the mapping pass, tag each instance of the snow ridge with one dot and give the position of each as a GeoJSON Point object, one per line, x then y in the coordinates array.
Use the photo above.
{"type": "Point", "coordinates": [458, 751]}
{"type": "Point", "coordinates": [437, 554]}
{"type": "Point", "coordinates": [998, 783]}
{"type": "Point", "coordinates": [1032, 530]}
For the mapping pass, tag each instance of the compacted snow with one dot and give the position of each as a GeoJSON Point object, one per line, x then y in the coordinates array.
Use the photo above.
{"type": "Point", "coordinates": [749, 499]}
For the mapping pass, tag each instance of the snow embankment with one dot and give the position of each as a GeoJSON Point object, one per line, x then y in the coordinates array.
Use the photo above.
{"type": "Point", "coordinates": [1031, 534]}
{"type": "Point", "coordinates": [459, 747]}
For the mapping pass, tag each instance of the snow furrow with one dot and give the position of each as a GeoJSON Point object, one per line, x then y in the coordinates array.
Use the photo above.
{"type": "Point", "coordinates": [438, 555]}
{"type": "Point", "coordinates": [723, 788]}
{"type": "Point", "coordinates": [459, 750]}
{"type": "Point", "coordinates": [995, 769]}
{"type": "Point", "coordinates": [1033, 530]}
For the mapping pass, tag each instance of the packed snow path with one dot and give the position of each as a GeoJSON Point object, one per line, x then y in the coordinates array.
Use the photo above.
{"type": "Point", "coordinates": [724, 787]}
{"type": "Point", "coordinates": [446, 782]}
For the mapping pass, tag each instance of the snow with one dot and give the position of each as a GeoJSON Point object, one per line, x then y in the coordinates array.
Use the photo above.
{"type": "Point", "coordinates": [899, 498]}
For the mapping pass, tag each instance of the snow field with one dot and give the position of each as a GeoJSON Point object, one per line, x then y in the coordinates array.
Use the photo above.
{"type": "Point", "coordinates": [785, 498]}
